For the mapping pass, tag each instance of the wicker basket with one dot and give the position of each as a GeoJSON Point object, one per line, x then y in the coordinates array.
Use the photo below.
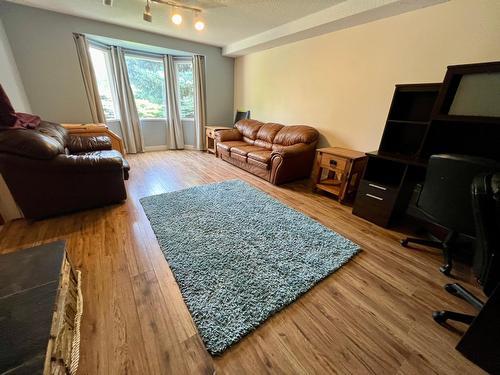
{"type": "Point", "coordinates": [63, 350]}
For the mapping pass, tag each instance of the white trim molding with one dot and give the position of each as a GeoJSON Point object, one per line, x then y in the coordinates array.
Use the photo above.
{"type": "Point", "coordinates": [346, 14]}
{"type": "Point", "coordinates": [165, 148]}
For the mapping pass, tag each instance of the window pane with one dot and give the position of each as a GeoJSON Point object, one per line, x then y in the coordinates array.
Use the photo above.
{"type": "Point", "coordinates": [185, 88]}
{"type": "Point", "coordinates": [148, 84]}
{"type": "Point", "coordinates": [100, 60]}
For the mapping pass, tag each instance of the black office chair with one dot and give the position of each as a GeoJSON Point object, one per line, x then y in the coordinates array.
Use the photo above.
{"type": "Point", "coordinates": [445, 199]}
{"type": "Point", "coordinates": [486, 213]}
{"type": "Point", "coordinates": [241, 115]}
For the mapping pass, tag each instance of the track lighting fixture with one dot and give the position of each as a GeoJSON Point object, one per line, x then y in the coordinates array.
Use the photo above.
{"type": "Point", "coordinates": [147, 16]}
{"type": "Point", "coordinates": [176, 16]}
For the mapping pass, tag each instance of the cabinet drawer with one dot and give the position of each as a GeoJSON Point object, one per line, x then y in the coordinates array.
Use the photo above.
{"type": "Point", "coordinates": [332, 161]}
{"type": "Point", "coordinates": [379, 191]}
{"type": "Point", "coordinates": [372, 209]}
{"type": "Point", "coordinates": [374, 203]}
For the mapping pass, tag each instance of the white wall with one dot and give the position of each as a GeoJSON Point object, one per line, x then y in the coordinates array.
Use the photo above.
{"type": "Point", "coordinates": [342, 83]}
{"type": "Point", "coordinates": [9, 75]}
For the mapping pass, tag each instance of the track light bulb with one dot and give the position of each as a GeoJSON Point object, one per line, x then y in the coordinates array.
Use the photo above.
{"type": "Point", "coordinates": [176, 18]}
{"type": "Point", "coordinates": [199, 25]}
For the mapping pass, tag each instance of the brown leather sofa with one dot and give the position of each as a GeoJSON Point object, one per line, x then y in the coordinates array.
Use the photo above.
{"type": "Point", "coordinates": [274, 152]}
{"type": "Point", "coordinates": [50, 172]}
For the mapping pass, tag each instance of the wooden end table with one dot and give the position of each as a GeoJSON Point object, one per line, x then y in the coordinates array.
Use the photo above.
{"type": "Point", "coordinates": [210, 137]}
{"type": "Point", "coordinates": [338, 171]}
{"type": "Point", "coordinates": [97, 130]}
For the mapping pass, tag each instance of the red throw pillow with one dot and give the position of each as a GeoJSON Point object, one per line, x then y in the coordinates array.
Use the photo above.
{"type": "Point", "coordinates": [12, 119]}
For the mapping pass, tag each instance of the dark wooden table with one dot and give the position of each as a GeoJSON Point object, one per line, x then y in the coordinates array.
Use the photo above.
{"type": "Point", "coordinates": [29, 282]}
{"type": "Point", "coordinates": [481, 342]}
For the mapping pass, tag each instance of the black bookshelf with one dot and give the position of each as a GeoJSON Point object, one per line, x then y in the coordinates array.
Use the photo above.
{"type": "Point", "coordinates": [420, 124]}
{"type": "Point", "coordinates": [391, 171]}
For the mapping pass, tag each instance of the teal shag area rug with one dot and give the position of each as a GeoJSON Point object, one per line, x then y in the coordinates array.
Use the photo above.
{"type": "Point", "coordinates": [239, 255]}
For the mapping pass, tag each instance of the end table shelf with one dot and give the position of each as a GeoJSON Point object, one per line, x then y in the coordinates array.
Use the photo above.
{"type": "Point", "coordinates": [338, 171]}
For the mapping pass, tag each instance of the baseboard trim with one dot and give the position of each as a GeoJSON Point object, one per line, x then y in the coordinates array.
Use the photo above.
{"type": "Point", "coordinates": [165, 148]}
{"type": "Point", "coordinates": [155, 148]}
{"type": "Point", "coordinates": [191, 148]}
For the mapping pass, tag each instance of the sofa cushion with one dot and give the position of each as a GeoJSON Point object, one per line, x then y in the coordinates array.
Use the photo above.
{"type": "Point", "coordinates": [226, 146]}
{"type": "Point", "coordinates": [257, 163]}
{"type": "Point", "coordinates": [107, 154]}
{"type": "Point", "coordinates": [290, 135]}
{"type": "Point", "coordinates": [261, 156]}
{"type": "Point", "coordinates": [244, 150]}
{"type": "Point", "coordinates": [241, 158]}
{"type": "Point", "coordinates": [268, 131]}
{"type": "Point", "coordinates": [266, 135]}
{"type": "Point", "coordinates": [249, 128]}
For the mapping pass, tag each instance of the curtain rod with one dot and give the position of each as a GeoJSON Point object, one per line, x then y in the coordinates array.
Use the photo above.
{"type": "Point", "coordinates": [136, 52]}
{"type": "Point", "coordinates": [153, 54]}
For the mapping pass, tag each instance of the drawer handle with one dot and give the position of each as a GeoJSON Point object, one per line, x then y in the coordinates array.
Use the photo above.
{"type": "Point", "coordinates": [377, 187]}
{"type": "Point", "coordinates": [374, 197]}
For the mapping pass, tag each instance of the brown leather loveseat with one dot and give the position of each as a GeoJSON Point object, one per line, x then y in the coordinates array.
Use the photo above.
{"type": "Point", "coordinates": [274, 152]}
{"type": "Point", "coordinates": [50, 172]}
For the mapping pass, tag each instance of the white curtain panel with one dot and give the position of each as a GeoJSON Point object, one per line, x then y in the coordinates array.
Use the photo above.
{"type": "Point", "coordinates": [89, 80]}
{"type": "Point", "coordinates": [129, 117]}
{"type": "Point", "coordinates": [175, 133]}
{"type": "Point", "coordinates": [200, 102]}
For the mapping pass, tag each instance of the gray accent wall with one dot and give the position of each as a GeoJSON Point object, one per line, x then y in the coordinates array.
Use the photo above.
{"type": "Point", "coordinates": [154, 133]}
{"type": "Point", "coordinates": [43, 48]}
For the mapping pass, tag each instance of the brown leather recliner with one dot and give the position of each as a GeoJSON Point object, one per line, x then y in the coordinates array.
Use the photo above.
{"type": "Point", "coordinates": [50, 172]}
{"type": "Point", "coordinates": [274, 152]}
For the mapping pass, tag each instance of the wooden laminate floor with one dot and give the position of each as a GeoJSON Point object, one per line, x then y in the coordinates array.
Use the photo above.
{"type": "Point", "coordinates": [373, 316]}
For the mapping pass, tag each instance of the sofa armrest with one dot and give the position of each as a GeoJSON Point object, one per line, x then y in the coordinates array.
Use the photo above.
{"type": "Point", "coordinates": [290, 163]}
{"type": "Point", "coordinates": [291, 151]}
{"type": "Point", "coordinates": [69, 164]}
{"type": "Point", "coordinates": [93, 162]}
{"type": "Point", "coordinates": [66, 183]}
{"type": "Point", "coordinates": [85, 143]}
{"type": "Point", "coordinates": [228, 135]}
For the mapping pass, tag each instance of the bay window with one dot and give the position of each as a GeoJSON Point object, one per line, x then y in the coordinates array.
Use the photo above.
{"type": "Point", "coordinates": [101, 62]}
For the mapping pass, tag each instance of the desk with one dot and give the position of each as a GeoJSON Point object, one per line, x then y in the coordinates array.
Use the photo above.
{"type": "Point", "coordinates": [481, 342]}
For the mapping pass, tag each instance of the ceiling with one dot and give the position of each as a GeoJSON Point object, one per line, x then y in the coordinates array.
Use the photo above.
{"type": "Point", "coordinates": [237, 25]}
{"type": "Point", "coordinates": [227, 20]}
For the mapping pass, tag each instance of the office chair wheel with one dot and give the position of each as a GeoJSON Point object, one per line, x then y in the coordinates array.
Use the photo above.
{"type": "Point", "coordinates": [439, 317]}
{"type": "Point", "coordinates": [445, 269]}
{"type": "Point", "coordinates": [404, 242]}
